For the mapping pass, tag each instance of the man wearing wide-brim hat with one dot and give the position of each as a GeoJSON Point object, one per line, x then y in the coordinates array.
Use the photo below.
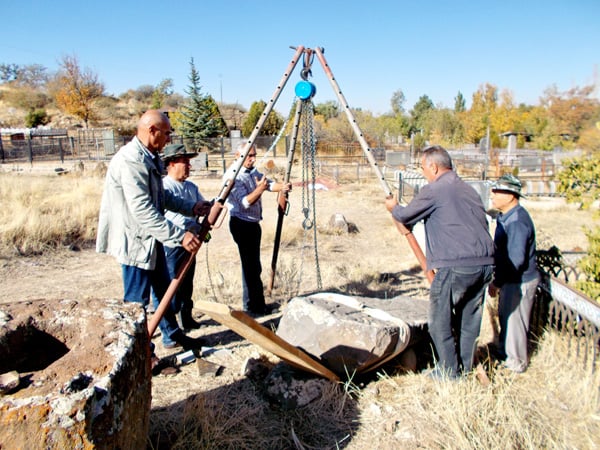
{"type": "Point", "coordinates": [176, 159]}
{"type": "Point", "coordinates": [176, 151]}
{"type": "Point", "coordinates": [515, 274]}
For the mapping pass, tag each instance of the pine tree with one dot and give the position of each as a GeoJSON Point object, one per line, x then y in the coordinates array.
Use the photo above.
{"type": "Point", "coordinates": [200, 119]}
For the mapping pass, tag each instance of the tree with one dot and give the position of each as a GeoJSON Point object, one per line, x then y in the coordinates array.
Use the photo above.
{"type": "Point", "coordinates": [161, 93]}
{"type": "Point", "coordinates": [418, 113]}
{"type": "Point", "coordinates": [590, 265]}
{"type": "Point", "coordinates": [199, 118]}
{"type": "Point", "coordinates": [271, 126]}
{"type": "Point", "coordinates": [477, 119]}
{"type": "Point", "coordinates": [569, 114]}
{"type": "Point", "coordinates": [505, 117]}
{"type": "Point", "coordinates": [443, 127]}
{"type": "Point", "coordinates": [8, 72]}
{"type": "Point", "coordinates": [328, 110]}
{"type": "Point", "coordinates": [579, 180]}
{"type": "Point", "coordinates": [459, 103]}
{"type": "Point", "coordinates": [397, 102]}
{"type": "Point", "coordinates": [33, 75]}
{"type": "Point", "coordinates": [76, 90]}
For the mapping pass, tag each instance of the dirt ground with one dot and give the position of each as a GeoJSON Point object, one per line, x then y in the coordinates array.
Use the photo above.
{"type": "Point", "coordinates": [348, 262]}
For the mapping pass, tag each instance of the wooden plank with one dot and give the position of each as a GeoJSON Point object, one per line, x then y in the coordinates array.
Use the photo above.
{"type": "Point", "coordinates": [247, 327]}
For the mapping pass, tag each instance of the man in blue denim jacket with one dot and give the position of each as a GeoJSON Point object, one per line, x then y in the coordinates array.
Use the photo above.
{"type": "Point", "coordinates": [460, 250]}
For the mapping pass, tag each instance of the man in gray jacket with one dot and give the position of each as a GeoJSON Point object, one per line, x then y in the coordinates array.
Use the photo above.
{"type": "Point", "coordinates": [461, 252]}
{"type": "Point", "coordinates": [132, 226]}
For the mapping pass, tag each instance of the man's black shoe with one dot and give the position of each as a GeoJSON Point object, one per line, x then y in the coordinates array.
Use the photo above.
{"type": "Point", "coordinates": [190, 324]}
{"type": "Point", "coordinates": [189, 343]}
{"type": "Point", "coordinates": [271, 309]}
{"type": "Point", "coordinates": [264, 311]}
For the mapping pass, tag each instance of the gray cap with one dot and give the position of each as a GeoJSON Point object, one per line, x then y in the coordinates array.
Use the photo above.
{"type": "Point", "coordinates": [508, 183]}
{"type": "Point", "coordinates": [174, 151]}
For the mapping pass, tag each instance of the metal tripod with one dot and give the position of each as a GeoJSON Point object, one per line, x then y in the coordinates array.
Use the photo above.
{"type": "Point", "coordinates": [283, 198]}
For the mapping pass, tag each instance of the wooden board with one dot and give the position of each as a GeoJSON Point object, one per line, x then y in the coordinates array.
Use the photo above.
{"type": "Point", "coordinates": [247, 327]}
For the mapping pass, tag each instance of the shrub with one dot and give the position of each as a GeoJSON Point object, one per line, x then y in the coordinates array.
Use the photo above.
{"type": "Point", "coordinates": [36, 117]}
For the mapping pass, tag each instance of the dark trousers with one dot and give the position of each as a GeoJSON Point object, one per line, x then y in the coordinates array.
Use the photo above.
{"type": "Point", "coordinates": [456, 302]}
{"type": "Point", "coordinates": [247, 236]}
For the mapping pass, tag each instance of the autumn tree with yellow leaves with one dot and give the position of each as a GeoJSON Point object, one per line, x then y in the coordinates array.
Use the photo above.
{"type": "Point", "coordinates": [76, 90]}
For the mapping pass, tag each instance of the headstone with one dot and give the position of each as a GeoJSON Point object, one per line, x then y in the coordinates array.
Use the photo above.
{"type": "Point", "coordinates": [393, 158]}
{"type": "Point", "coordinates": [338, 223]}
{"type": "Point", "coordinates": [200, 162]}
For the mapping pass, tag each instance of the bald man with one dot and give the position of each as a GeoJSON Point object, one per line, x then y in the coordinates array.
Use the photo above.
{"type": "Point", "coordinates": [132, 226]}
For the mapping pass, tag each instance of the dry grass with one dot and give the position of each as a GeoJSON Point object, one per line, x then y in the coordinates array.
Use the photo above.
{"type": "Point", "coordinates": [555, 404]}
{"type": "Point", "coordinates": [47, 212]}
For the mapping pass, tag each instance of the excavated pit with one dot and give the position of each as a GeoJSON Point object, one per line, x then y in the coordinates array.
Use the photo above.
{"type": "Point", "coordinates": [84, 377]}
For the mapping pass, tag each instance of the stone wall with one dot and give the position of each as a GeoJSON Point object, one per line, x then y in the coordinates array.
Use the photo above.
{"type": "Point", "coordinates": [84, 375]}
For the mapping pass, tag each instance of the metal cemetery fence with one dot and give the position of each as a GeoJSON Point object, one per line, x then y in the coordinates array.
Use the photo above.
{"type": "Point", "coordinates": [566, 310]}
{"type": "Point", "coordinates": [36, 145]}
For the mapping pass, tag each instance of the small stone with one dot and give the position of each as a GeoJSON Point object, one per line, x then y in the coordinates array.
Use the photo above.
{"type": "Point", "coordinates": [9, 381]}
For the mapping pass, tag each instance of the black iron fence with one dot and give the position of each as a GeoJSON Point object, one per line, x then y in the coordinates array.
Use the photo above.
{"type": "Point", "coordinates": [29, 146]}
{"type": "Point", "coordinates": [560, 307]}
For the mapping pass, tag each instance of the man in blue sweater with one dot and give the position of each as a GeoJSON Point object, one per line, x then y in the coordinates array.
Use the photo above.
{"type": "Point", "coordinates": [515, 276]}
{"type": "Point", "coordinates": [460, 250]}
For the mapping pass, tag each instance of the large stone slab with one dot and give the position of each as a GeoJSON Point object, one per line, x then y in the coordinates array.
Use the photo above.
{"type": "Point", "coordinates": [352, 334]}
{"type": "Point", "coordinates": [84, 375]}
{"type": "Point", "coordinates": [246, 326]}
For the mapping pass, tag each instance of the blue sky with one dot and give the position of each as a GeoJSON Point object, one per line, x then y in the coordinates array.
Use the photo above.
{"type": "Point", "coordinates": [242, 48]}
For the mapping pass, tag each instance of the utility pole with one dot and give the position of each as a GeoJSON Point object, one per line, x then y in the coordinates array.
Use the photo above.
{"type": "Point", "coordinates": [221, 87]}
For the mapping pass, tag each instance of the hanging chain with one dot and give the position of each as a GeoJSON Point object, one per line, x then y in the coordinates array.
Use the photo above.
{"type": "Point", "coordinates": [308, 168]}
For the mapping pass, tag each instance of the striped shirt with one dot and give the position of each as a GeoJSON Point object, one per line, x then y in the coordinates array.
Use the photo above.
{"type": "Point", "coordinates": [238, 204]}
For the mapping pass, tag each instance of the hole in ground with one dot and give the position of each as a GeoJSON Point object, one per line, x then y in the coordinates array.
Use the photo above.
{"type": "Point", "coordinates": [28, 349]}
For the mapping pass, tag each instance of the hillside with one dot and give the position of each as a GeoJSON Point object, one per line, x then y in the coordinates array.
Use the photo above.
{"type": "Point", "coordinates": [120, 113]}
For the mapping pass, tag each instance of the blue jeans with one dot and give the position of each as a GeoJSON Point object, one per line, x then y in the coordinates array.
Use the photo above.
{"type": "Point", "coordinates": [456, 301]}
{"type": "Point", "coordinates": [137, 284]}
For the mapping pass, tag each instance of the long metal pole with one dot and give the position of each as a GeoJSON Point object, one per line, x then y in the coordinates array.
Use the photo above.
{"type": "Point", "coordinates": [282, 198]}
{"type": "Point", "coordinates": [412, 241]}
{"type": "Point", "coordinates": [211, 218]}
